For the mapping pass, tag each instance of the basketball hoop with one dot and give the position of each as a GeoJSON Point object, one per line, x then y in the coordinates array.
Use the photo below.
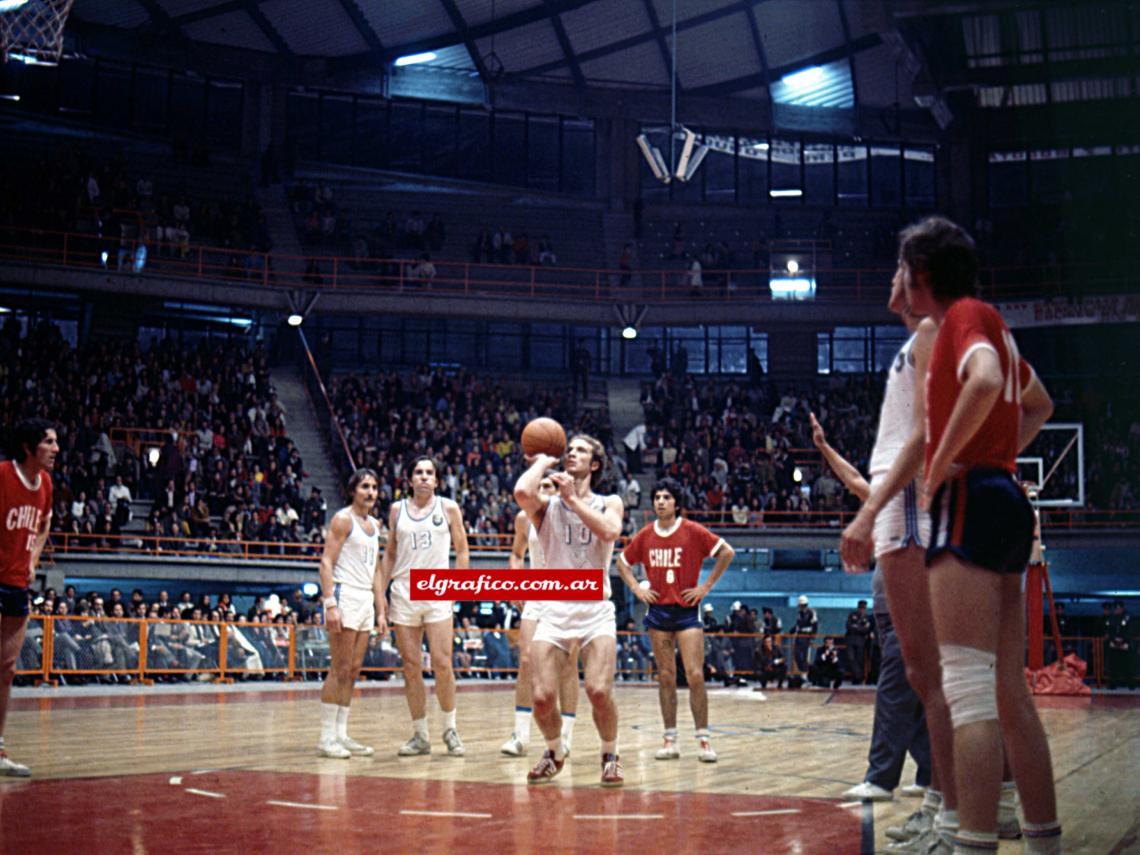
{"type": "Point", "coordinates": [32, 33]}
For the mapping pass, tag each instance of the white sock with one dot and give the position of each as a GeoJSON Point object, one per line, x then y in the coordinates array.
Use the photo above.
{"type": "Point", "coordinates": [946, 822]}
{"type": "Point", "coordinates": [449, 720]}
{"type": "Point", "coordinates": [931, 801]}
{"type": "Point", "coordinates": [342, 722]}
{"type": "Point", "coordinates": [703, 733]}
{"type": "Point", "coordinates": [670, 734]}
{"type": "Point", "coordinates": [1042, 838]}
{"type": "Point", "coordinates": [975, 842]}
{"type": "Point", "coordinates": [609, 746]}
{"type": "Point", "coordinates": [419, 725]}
{"type": "Point", "coordinates": [522, 724]}
{"type": "Point", "coordinates": [1007, 801]}
{"type": "Point", "coordinates": [568, 720]}
{"type": "Point", "coordinates": [328, 721]}
{"type": "Point", "coordinates": [557, 746]}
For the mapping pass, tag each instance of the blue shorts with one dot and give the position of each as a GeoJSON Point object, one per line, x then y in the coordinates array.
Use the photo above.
{"type": "Point", "coordinates": [673, 618]}
{"type": "Point", "coordinates": [983, 517]}
{"type": "Point", "coordinates": [13, 601]}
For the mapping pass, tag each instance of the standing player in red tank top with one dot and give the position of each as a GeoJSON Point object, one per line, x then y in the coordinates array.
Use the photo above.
{"type": "Point", "coordinates": [982, 529]}
{"type": "Point", "coordinates": [673, 550]}
{"type": "Point", "coordinates": [25, 512]}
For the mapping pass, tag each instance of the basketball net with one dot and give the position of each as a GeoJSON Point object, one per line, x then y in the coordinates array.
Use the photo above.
{"type": "Point", "coordinates": [33, 33]}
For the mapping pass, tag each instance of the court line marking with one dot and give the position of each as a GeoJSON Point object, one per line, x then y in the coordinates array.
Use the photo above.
{"type": "Point", "coordinates": [447, 813]}
{"type": "Point", "coordinates": [205, 793]}
{"type": "Point", "coordinates": [765, 812]}
{"type": "Point", "coordinates": [849, 804]}
{"type": "Point", "coordinates": [619, 816]}
{"type": "Point", "coordinates": [176, 781]}
{"type": "Point", "coordinates": [300, 805]}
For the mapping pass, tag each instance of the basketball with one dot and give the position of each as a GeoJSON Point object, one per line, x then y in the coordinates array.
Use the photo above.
{"type": "Point", "coordinates": [543, 436]}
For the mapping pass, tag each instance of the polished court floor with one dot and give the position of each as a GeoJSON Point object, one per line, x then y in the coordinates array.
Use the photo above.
{"type": "Point", "coordinates": [201, 769]}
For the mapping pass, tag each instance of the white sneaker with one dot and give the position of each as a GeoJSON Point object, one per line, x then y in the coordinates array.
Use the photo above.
{"type": "Point", "coordinates": [10, 768]}
{"type": "Point", "coordinates": [513, 747]}
{"type": "Point", "coordinates": [668, 750]}
{"type": "Point", "coordinates": [416, 745]}
{"type": "Point", "coordinates": [912, 791]}
{"type": "Point", "coordinates": [868, 792]}
{"type": "Point", "coordinates": [333, 748]}
{"type": "Point", "coordinates": [453, 742]}
{"type": "Point", "coordinates": [355, 747]}
{"type": "Point", "coordinates": [706, 753]}
{"type": "Point", "coordinates": [915, 824]}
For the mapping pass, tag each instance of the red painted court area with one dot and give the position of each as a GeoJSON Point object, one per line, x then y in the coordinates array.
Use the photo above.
{"type": "Point", "coordinates": [228, 811]}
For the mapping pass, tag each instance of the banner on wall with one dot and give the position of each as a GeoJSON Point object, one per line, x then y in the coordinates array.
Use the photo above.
{"type": "Point", "coordinates": [1064, 311]}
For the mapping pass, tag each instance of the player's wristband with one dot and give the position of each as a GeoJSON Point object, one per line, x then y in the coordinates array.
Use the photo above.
{"type": "Point", "coordinates": [329, 602]}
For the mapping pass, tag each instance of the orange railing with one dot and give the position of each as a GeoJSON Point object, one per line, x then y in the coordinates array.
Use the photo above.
{"type": "Point", "coordinates": [279, 270]}
{"type": "Point", "coordinates": [171, 546]}
{"type": "Point", "coordinates": [69, 647]}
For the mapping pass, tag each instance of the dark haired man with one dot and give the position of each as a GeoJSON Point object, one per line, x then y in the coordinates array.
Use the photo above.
{"type": "Point", "coordinates": [422, 530]}
{"type": "Point", "coordinates": [25, 508]}
{"type": "Point", "coordinates": [673, 550]}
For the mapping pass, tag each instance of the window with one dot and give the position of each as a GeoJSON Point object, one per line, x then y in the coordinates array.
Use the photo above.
{"type": "Point", "coordinates": [787, 187]}
{"type": "Point", "coordinates": [372, 133]}
{"type": "Point", "coordinates": [919, 177]}
{"type": "Point", "coordinates": [752, 156]}
{"type": "Point", "coordinates": [819, 174]}
{"type": "Point", "coordinates": [336, 128]}
{"type": "Point", "coordinates": [474, 156]}
{"type": "Point", "coordinates": [578, 157]}
{"type": "Point", "coordinates": [886, 177]}
{"type": "Point", "coordinates": [852, 176]}
{"type": "Point", "coordinates": [440, 128]}
{"type": "Point", "coordinates": [509, 157]}
{"type": "Point", "coordinates": [543, 157]}
{"type": "Point", "coordinates": [303, 118]}
{"type": "Point", "coordinates": [406, 133]}
{"type": "Point", "coordinates": [1008, 176]}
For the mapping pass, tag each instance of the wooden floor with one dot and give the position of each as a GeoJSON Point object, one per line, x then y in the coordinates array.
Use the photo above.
{"type": "Point", "coordinates": [193, 756]}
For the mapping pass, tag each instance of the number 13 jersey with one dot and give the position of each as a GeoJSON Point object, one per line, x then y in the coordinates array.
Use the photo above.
{"type": "Point", "coordinates": [423, 542]}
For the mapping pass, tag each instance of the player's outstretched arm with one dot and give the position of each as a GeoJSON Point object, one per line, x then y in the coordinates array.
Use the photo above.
{"type": "Point", "coordinates": [458, 536]}
{"type": "Point", "coordinates": [724, 555]}
{"type": "Point", "coordinates": [339, 530]}
{"type": "Point", "coordinates": [517, 558]}
{"type": "Point", "coordinates": [1036, 409]}
{"type": "Point", "coordinates": [979, 393]}
{"type": "Point", "coordinates": [38, 547]}
{"type": "Point", "coordinates": [857, 543]}
{"type": "Point", "coordinates": [844, 470]}
{"type": "Point", "coordinates": [388, 562]}
{"type": "Point", "coordinates": [526, 488]}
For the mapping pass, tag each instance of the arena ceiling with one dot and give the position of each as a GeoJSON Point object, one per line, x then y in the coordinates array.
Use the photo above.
{"type": "Point", "coordinates": [873, 53]}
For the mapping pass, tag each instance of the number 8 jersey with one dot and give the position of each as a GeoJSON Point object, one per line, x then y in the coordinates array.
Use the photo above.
{"type": "Point", "coordinates": [968, 326]}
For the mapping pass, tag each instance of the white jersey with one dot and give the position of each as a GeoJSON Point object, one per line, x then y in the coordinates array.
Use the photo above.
{"type": "Point", "coordinates": [896, 418]}
{"type": "Point", "coordinates": [567, 541]}
{"type": "Point", "coordinates": [534, 547]}
{"type": "Point", "coordinates": [422, 542]}
{"type": "Point", "coordinates": [356, 564]}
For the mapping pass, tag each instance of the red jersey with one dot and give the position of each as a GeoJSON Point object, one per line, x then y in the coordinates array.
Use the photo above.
{"type": "Point", "coordinates": [672, 561]}
{"type": "Point", "coordinates": [968, 326]}
{"type": "Point", "coordinates": [24, 511]}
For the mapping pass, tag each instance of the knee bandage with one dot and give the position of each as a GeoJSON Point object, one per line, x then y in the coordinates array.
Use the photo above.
{"type": "Point", "coordinates": [969, 682]}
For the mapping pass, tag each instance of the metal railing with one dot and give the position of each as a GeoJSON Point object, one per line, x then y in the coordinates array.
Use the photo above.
{"type": "Point", "coordinates": [69, 648]}
{"type": "Point", "coordinates": [462, 278]}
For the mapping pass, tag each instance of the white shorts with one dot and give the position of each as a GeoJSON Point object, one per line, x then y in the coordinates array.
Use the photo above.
{"type": "Point", "coordinates": [405, 611]}
{"type": "Point", "coordinates": [901, 522]}
{"type": "Point", "coordinates": [532, 610]}
{"type": "Point", "coordinates": [357, 607]}
{"type": "Point", "coordinates": [562, 624]}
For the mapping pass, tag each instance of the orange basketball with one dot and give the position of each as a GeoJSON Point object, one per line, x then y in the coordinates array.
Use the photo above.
{"type": "Point", "coordinates": [543, 436]}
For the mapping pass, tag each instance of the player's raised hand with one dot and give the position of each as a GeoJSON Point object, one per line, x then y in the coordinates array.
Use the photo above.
{"type": "Point", "coordinates": [817, 434]}
{"type": "Point", "coordinates": [564, 482]}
